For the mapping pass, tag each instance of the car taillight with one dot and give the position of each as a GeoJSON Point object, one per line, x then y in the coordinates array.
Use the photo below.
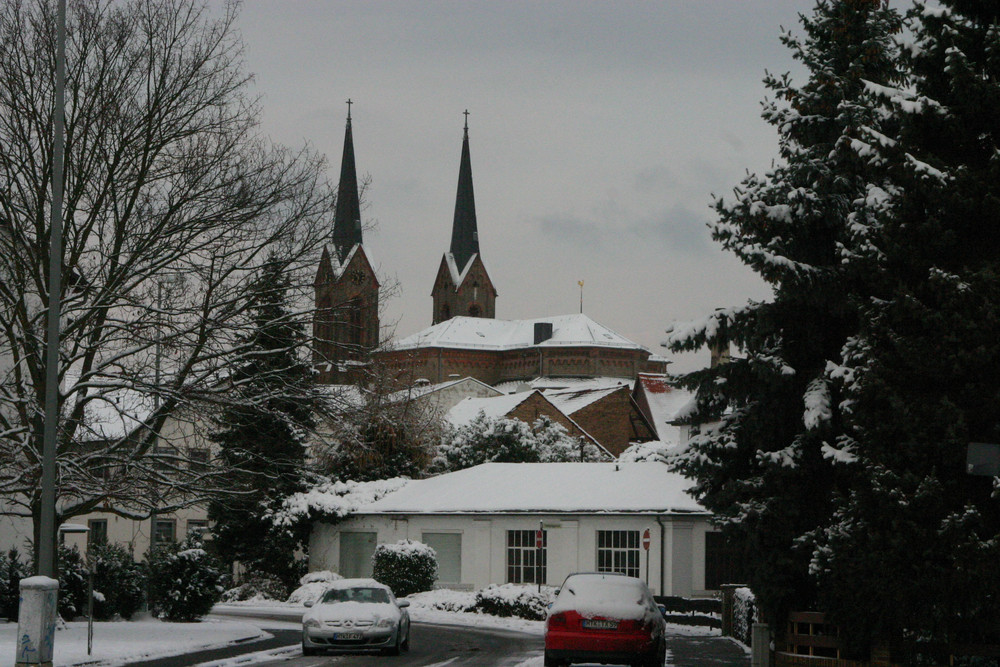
{"type": "Point", "coordinates": [557, 621]}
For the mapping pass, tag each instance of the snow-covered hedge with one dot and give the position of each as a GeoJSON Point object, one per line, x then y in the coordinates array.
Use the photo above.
{"type": "Point", "coordinates": [184, 582]}
{"type": "Point", "coordinates": [120, 581]}
{"type": "Point", "coordinates": [312, 586]}
{"type": "Point", "coordinates": [256, 587]}
{"type": "Point", "coordinates": [643, 452]}
{"type": "Point", "coordinates": [744, 614]}
{"type": "Point", "coordinates": [514, 600]}
{"type": "Point", "coordinates": [406, 567]}
{"type": "Point", "coordinates": [12, 569]}
{"type": "Point", "coordinates": [72, 583]}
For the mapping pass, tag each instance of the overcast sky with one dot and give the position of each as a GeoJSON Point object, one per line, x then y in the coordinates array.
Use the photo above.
{"type": "Point", "coordinates": [599, 132]}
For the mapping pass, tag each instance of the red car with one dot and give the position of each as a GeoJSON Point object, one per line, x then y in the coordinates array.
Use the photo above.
{"type": "Point", "coordinates": [605, 618]}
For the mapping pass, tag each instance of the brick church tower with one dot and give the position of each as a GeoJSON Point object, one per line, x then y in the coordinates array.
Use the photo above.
{"type": "Point", "coordinates": [462, 286]}
{"type": "Point", "coordinates": [346, 325]}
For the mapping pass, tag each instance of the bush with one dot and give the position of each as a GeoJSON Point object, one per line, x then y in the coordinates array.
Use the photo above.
{"type": "Point", "coordinates": [256, 587]}
{"type": "Point", "coordinates": [406, 567]}
{"type": "Point", "coordinates": [514, 600]}
{"type": "Point", "coordinates": [72, 583]}
{"type": "Point", "coordinates": [313, 585]}
{"type": "Point", "coordinates": [12, 570]}
{"type": "Point", "coordinates": [744, 614]}
{"type": "Point", "coordinates": [119, 582]}
{"type": "Point", "coordinates": [184, 581]}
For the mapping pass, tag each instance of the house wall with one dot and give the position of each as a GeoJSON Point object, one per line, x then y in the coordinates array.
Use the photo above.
{"type": "Point", "coordinates": [183, 433]}
{"type": "Point", "coordinates": [608, 420]}
{"type": "Point", "coordinates": [572, 544]}
{"type": "Point", "coordinates": [533, 407]}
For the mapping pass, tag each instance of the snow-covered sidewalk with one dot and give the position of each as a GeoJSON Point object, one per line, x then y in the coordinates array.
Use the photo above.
{"type": "Point", "coordinates": [127, 641]}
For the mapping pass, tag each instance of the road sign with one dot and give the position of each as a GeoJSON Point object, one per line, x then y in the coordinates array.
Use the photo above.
{"type": "Point", "coordinates": [538, 539]}
{"type": "Point", "coordinates": [645, 539]}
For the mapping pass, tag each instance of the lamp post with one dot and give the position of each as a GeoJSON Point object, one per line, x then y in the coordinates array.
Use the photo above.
{"type": "Point", "coordinates": [36, 622]}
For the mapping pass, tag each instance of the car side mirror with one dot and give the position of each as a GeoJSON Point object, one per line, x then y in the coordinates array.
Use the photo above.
{"type": "Point", "coordinates": [403, 603]}
{"type": "Point", "coordinates": [309, 603]}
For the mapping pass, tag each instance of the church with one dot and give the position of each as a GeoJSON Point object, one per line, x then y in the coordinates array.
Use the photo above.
{"type": "Point", "coordinates": [465, 339]}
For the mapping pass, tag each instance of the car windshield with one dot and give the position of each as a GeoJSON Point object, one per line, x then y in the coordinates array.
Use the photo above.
{"type": "Point", "coordinates": [356, 595]}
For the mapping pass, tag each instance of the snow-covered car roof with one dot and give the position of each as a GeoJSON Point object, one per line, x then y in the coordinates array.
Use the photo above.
{"type": "Point", "coordinates": [356, 583]}
{"type": "Point", "coordinates": [603, 594]}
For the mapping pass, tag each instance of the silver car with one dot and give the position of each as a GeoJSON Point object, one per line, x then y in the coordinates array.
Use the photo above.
{"type": "Point", "coordinates": [356, 615]}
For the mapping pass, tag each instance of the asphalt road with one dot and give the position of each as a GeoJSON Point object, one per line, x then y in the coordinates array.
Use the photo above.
{"type": "Point", "coordinates": [438, 645]}
{"type": "Point", "coordinates": [429, 645]}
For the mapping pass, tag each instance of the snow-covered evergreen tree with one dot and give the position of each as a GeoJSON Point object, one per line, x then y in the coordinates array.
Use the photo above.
{"type": "Point", "coordinates": [262, 433]}
{"type": "Point", "coordinates": [770, 463]}
{"type": "Point", "coordinates": [911, 558]}
{"type": "Point", "coordinates": [490, 440]}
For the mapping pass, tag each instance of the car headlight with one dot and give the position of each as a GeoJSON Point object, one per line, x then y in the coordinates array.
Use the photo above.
{"type": "Point", "coordinates": [385, 623]}
{"type": "Point", "coordinates": [311, 623]}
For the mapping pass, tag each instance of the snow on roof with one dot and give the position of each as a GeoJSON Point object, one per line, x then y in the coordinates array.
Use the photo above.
{"type": "Point", "coordinates": [572, 400]}
{"type": "Point", "coordinates": [666, 402]}
{"type": "Point", "coordinates": [498, 488]}
{"type": "Point", "coordinates": [491, 334]}
{"type": "Point", "coordinates": [458, 276]}
{"type": "Point", "coordinates": [548, 382]}
{"type": "Point", "coordinates": [422, 390]}
{"type": "Point", "coordinates": [494, 407]}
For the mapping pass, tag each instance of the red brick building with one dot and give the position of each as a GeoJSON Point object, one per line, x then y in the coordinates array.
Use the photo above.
{"type": "Point", "coordinates": [494, 351]}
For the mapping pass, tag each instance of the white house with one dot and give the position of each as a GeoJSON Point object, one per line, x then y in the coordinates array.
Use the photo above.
{"type": "Point", "coordinates": [483, 523]}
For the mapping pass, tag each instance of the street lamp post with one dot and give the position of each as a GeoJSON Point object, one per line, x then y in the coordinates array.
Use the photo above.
{"type": "Point", "coordinates": [36, 621]}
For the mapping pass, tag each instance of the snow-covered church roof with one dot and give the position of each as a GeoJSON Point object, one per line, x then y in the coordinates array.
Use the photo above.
{"type": "Point", "coordinates": [496, 488]}
{"type": "Point", "coordinates": [490, 334]}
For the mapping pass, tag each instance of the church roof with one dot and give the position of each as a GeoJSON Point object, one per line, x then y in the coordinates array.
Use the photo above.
{"type": "Point", "coordinates": [347, 219]}
{"type": "Point", "coordinates": [490, 334]}
{"type": "Point", "coordinates": [464, 234]}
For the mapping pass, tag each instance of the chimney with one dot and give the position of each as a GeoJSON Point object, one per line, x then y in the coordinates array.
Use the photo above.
{"type": "Point", "coordinates": [543, 332]}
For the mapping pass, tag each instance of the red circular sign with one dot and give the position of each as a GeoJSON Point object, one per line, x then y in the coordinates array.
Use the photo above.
{"type": "Point", "coordinates": [538, 539]}
{"type": "Point", "coordinates": [645, 539]}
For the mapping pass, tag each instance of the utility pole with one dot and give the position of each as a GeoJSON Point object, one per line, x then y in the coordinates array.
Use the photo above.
{"type": "Point", "coordinates": [36, 618]}
{"type": "Point", "coordinates": [46, 546]}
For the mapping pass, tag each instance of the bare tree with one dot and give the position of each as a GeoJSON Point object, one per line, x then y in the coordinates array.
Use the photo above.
{"type": "Point", "coordinates": [173, 199]}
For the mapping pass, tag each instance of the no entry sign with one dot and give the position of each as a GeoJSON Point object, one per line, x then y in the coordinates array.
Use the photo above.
{"type": "Point", "coordinates": [645, 539]}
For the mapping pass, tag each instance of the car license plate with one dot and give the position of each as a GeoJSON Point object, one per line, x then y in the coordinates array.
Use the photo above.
{"type": "Point", "coordinates": [592, 624]}
{"type": "Point", "coordinates": [347, 635]}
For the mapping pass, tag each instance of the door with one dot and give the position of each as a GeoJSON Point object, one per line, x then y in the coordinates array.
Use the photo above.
{"type": "Point", "coordinates": [356, 550]}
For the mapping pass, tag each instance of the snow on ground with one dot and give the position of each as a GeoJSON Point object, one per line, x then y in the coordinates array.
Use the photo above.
{"type": "Point", "coordinates": [126, 641]}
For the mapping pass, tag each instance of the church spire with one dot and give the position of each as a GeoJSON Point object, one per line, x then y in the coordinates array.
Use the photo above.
{"type": "Point", "coordinates": [464, 235]}
{"type": "Point", "coordinates": [347, 220]}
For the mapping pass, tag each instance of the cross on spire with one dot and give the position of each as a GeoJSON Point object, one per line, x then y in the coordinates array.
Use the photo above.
{"type": "Point", "coordinates": [466, 112]}
{"type": "Point", "coordinates": [349, 103]}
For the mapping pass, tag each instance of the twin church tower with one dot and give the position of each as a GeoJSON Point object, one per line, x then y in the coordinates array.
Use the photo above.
{"type": "Point", "coordinates": [346, 324]}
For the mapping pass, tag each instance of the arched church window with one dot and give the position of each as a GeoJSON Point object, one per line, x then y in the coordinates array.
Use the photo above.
{"type": "Point", "coordinates": [445, 312]}
{"type": "Point", "coordinates": [474, 310]}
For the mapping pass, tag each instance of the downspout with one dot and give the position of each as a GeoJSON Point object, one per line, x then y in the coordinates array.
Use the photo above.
{"type": "Point", "coordinates": [663, 552]}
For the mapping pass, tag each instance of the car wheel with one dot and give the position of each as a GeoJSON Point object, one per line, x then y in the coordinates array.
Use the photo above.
{"type": "Point", "coordinates": [309, 650]}
{"type": "Point", "coordinates": [406, 642]}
